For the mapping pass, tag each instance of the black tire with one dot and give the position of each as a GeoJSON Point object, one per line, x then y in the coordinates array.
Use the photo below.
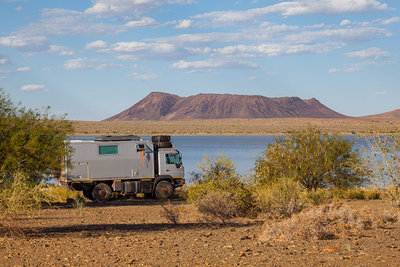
{"type": "Point", "coordinates": [160, 138]}
{"type": "Point", "coordinates": [101, 193]}
{"type": "Point", "coordinates": [164, 190]}
{"type": "Point", "coordinates": [88, 194]}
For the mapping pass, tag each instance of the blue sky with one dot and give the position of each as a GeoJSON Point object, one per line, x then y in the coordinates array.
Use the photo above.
{"type": "Point", "coordinates": [93, 59]}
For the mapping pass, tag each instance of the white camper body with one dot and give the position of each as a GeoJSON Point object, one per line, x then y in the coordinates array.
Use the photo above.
{"type": "Point", "coordinates": [124, 164]}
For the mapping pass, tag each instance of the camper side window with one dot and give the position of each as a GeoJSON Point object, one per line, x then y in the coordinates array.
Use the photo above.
{"type": "Point", "coordinates": [108, 150]}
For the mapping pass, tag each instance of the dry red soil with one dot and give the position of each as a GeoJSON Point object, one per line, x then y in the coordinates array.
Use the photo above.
{"type": "Point", "coordinates": [122, 233]}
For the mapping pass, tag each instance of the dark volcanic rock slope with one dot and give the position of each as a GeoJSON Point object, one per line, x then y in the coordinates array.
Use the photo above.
{"type": "Point", "coordinates": [163, 106]}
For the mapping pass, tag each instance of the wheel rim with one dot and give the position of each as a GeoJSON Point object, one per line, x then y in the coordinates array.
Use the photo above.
{"type": "Point", "coordinates": [102, 193]}
{"type": "Point", "coordinates": [164, 191]}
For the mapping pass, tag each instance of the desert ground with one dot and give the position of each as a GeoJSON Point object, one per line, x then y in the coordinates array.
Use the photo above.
{"type": "Point", "coordinates": [133, 233]}
{"type": "Point", "coordinates": [236, 126]}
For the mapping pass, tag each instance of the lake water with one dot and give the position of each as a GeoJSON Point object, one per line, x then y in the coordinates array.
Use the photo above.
{"type": "Point", "coordinates": [241, 149]}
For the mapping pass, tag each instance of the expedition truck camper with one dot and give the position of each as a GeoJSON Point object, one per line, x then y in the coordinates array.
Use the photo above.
{"type": "Point", "coordinates": [124, 164]}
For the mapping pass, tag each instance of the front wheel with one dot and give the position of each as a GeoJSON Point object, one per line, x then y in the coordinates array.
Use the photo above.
{"type": "Point", "coordinates": [164, 190]}
{"type": "Point", "coordinates": [101, 193]}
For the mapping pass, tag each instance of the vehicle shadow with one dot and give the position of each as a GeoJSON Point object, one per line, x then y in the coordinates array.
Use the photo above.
{"type": "Point", "coordinates": [121, 202]}
{"type": "Point", "coordinates": [110, 230]}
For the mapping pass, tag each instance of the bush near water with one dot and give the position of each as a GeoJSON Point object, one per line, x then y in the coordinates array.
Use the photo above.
{"type": "Point", "coordinates": [31, 149]}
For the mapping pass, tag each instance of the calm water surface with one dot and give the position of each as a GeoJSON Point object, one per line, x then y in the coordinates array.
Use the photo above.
{"type": "Point", "coordinates": [243, 150]}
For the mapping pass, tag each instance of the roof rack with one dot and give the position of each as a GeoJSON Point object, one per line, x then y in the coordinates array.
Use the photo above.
{"type": "Point", "coordinates": [105, 138]}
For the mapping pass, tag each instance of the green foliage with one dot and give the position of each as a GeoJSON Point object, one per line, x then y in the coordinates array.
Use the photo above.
{"type": "Point", "coordinates": [313, 159]}
{"type": "Point", "coordinates": [282, 196]}
{"type": "Point", "coordinates": [31, 142]}
{"type": "Point", "coordinates": [356, 193]}
{"type": "Point", "coordinates": [382, 158]}
{"type": "Point", "coordinates": [221, 175]}
{"type": "Point", "coordinates": [316, 197]}
{"type": "Point", "coordinates": [57, 193]}
{"type": "Point", "coordinates": [22, 195]}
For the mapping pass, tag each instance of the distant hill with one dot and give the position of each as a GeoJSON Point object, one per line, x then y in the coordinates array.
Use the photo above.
{"type": "Point", "coordinates": [394, 114]}
{"type": "Point", "coordinates": [163, 106]}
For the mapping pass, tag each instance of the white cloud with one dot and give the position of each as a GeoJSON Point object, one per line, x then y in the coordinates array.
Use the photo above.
{"type": "Point", "coordinates": [22, 69]}
{"type": "Point", "coordinates": [108, 8]}
{"type": "Point", "coordinates": [143, 77]}
{"type": "Point", "coordinates": [214, 63]}
{"type": "Point", "coordinates": [272, 49]}
{"type": "Point", "coordinates": [252, 78]}
{"type": "Point", "coordinates": [345, 22]}
{"type": "Point", "coordinates": [108, 66]}
{"type": "Point", "coordinates": [3, 61]}
{"type": "Point", "coordinates": [348, 35]}
{"type": "Point", "coordinates": [79, 64]}
{"type": "Point", "coordinates": [263, 32]}
{"type": "Point", "coordinates": [61, 50]}
{"type": "Point", "coordinates": [184, 24]}
{"type": "Point", "coordinates": [96, 45]}
{"type": "Point", "coordinates": [33, 87]}
{"type": "Point", "coordinates": [143, 22]}
{"type": "Point", "coordinates": [372, 52]}
{"type": "Point", "coordinates": [141, 50]}
{"type": "Point", "coordinates": [333, 70]}
{"type": "Point", "coordinates": [299, 7]}
{"type": "Point", "coordinates": [25, 43]}
{"type": "Point", "coordinates": [358, 66]}
{"type": "Point", "coordinates": [390, 21]}
{"type": "Point", "coordinates": [59, 21]}
{"type": "Point", "coordinates": [382, 93]}
{"type": "Point", "coordinates": [18, 8]}
{"type": "Point", "coordinates": [2, 78]}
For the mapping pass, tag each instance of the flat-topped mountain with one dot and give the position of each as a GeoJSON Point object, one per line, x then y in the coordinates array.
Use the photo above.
{"type": "Point", "coordinates": [164, 106]}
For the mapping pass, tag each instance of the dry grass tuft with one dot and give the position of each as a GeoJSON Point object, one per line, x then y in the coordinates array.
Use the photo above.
{"type": "Point", "coordinates": [170, 212]}
{"type": "Point", "coordinates": [327, 222]}
{"type": "Point", "coordinates": [217, 205]}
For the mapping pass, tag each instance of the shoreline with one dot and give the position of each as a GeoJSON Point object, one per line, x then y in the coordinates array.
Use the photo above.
{"type": "Point", "coordinates": [243, 127]}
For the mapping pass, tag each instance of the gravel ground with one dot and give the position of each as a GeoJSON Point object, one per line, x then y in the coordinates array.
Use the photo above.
{"type": "Point", "coordinates": [134, 233]}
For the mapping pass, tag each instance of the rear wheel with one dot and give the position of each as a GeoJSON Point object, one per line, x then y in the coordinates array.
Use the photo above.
{"type": "Point", "coordinates": [164, 190]}
{"type": "Point", "coordinates": [101, 193]}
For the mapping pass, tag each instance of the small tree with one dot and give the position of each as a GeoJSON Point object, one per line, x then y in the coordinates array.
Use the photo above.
{"type": "Point", "coordinates": [313, 159]}
{"type": "Point", "coordinates": [383, 160]}
{"type": "Point", "coordinates": [32, 143]}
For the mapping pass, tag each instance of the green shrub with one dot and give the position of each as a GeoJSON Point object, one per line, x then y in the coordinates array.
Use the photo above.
{"type": "Point", "coordinates": [221, 176]}
{"type": "Point", "coordinates": [32, 142]}
{"type": "Point", "coordinates": [382, 158]}
{"type": "Point", "coordinates": [283, 196]}
{"type": "Point", "coordinates": [58, 193]}
{"type": "Point", "coordinates": [316, 197]}
{"type": "Point", "coordinates": [373, 194]}
{"type": "Point", "coordinates": [21, 196]}
{"type": "Point", "coordinates": [313, 159]}
{"type": "Point", "coordinates": [356, 193]}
